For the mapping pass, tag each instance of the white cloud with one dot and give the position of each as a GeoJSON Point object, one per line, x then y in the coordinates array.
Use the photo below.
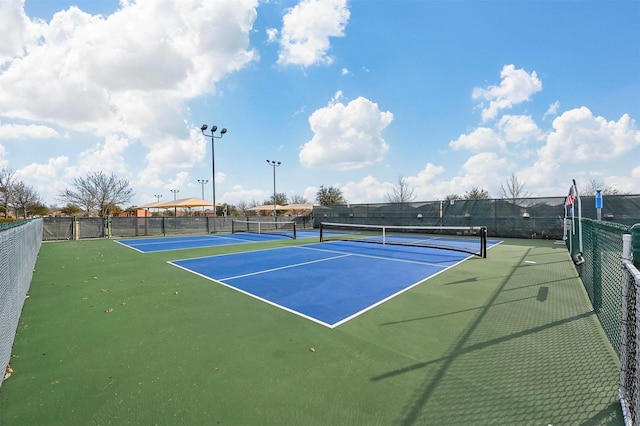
{"type": "Point", "coordinates": [272, 35]}
{"type": "Point", "coordinates": [4, 163]}
{"type": "Point", "coordinates": [479, 140]}
{"type": "Point", "coordinates": [519, 128]}
{"type": "Point", "coordinates": [49, 178]}
{"type": "Point", "coordinates": [346, 136]}
{"type": "Point", "coordinates": [239, 194]}
{"type": "Point", "coordinates": [181, 180]}
{"type": "Point", "coordinates": [176, 154]}
{"type": "Point", "coordinates": [540, 178]}
{"type": "Point", "coordinates": [126, 72]}
{"type": "Point", "coordinates": [578, 136]}
{"type": "Point", "coordinates": [306, 29]}
{"type": "Point", "coordinates": [423, 183]}
{"type": "Point", "coordinates": [107, 157]}
{"type": "Point", "coordinates": [368, 189]}
{"type": "Point", "coordinates": [16, 30]}
{"type": "Point", "coordinates": [31, 131]}
{"type": "Point", "coordinates": [517, 86]}
{"type": "Point", "coordinates": [552, 110]}
{"type": "Point", "coordinates": [625, 184]}
{"type": "Point", "coordinates": [310, 193]}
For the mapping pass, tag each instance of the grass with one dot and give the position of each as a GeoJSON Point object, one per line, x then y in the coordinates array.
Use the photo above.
{"type": "Point", "coordinates": [112, 336]}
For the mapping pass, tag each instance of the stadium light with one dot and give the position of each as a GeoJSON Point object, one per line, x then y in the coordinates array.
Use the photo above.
{"type": "Point", "coordinates": [274, 164]}
{"type": "Point", "coordinates": [203, 182]}
{"type": "Point", "coordinates": [175, 210]}
{"type": "Point", "coordinates": [213, 163]}
{"type": "Point", "coordinates": [158, 200]}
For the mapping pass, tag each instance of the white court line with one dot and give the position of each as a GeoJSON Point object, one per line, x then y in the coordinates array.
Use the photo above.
{"type": "Point", "coordinates": [255, 296]}
{"type": "Point", "coordinates": [177, 240]}
{"type": "Point", "coordinates": [377, 257]}
{"type": "Point", "coordinates": [130, 247]}
{"type": "Point", "coordinates": [293, 265]}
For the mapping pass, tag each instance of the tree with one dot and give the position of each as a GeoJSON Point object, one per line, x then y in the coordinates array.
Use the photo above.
{"type": "Point", "coordinates": [476, 194]}
{"type": "Point", "coordinates": [331, 196]}
{"type": "Point", "coordinates": [593, 184]}
{"type": "Point", "coordinates": [298, 199]}
{"type": "Point", "coordinates": [402, 192]}
{"type": "Point", "coordinates": [452, 197]}
{"type": "Point", "coordinates": [70, 210]}
{"type": "Point", "coordinates": [98, 191]}
{"type": "Point", "coordinates": [513, 190]}
{"type": "Point", "coordinates": [7, 180]}
{"type": "Point", "coordinates": [242, 208]}
{"type": "Point", "coordinates": [39, 209]}
{"type": "Point", "coordinates": [24, 199]}
{"type": "Point", "coordinates": [281, 199]}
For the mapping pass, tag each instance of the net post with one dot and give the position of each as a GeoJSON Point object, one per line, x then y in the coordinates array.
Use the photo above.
{"type": "Point", "coordinates": [295, 237]}
{"type": "Point", "coordinates": [483, 242]}
{"type": "Point", "coordinates": [321, 235]}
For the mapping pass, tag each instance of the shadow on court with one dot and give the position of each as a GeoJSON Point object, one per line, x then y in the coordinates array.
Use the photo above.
{"type": "Point", "coordinates": [520, 360]}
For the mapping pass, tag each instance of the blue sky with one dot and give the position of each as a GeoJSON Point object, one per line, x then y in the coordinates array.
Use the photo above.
{"type": "Point", "coordinates": [450, 95]}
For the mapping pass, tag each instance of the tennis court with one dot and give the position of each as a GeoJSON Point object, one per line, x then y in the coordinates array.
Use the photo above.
{"type": "Point", "coordinates": [152, 245]}
{"type": "Point", "coordinates": [328, 283]}
{"type": "Point", "coordinates": [111, 335]}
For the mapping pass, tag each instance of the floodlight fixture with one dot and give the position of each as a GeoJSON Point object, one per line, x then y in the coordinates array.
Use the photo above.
{"type": "Point", "coordinates": [213, 137]}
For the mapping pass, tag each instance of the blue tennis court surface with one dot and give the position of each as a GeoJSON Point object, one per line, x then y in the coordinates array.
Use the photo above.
{"type": "Point", "coordinates": [328, 283]}
{"type": "Point", "coordinates": [150, 245]}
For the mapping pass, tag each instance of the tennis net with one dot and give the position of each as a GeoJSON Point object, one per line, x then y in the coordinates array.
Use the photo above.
{"type": "Point", "coordinates": [466, 239]}
{"type": "Point", "coordinates": [284, 228]}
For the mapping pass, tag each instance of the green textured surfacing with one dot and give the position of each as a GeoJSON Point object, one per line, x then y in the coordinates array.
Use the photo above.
{"type": "Point", "coordinates": [112, 336]}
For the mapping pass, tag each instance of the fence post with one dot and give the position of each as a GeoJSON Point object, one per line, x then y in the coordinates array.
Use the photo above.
{"type": "Point", "coordinates": [635, 244]}
{"type": "Point", "coordinates": [76, 228]}
{"type": "Point", "coordinates": [626, 246]}
{"type": "Point", "coordinates": [596, 258]}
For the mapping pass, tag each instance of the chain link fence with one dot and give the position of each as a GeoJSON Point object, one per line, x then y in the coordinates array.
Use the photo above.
{"type": "Point", "coordinates": [75, 228]}
{"type": "Point", "coordinates": [507, 218]}
{"type": "Point", "coordinates": [19, 247]}
{"type": "Point", "coordinates": [600, 272]}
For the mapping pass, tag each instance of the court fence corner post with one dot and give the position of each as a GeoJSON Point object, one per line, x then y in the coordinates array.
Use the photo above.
{"type": "Point", "coordinates": [635, 244]}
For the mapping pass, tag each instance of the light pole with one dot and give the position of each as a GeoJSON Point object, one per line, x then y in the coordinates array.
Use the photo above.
{"type": "Point", "coordinates": [158, 200]}
{"type": "Point", "coordinates": [213, 163]}
{"type": "Point", "coordinates": [203, 182]}
{"type": "Point", "coordinates": [175, 210]}
{"type": "Point", "coordinates": [274, 164]}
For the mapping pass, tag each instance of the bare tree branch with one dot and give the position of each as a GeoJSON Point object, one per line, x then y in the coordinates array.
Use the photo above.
{"type": "Point", "coordinates": [513, 190]}
{"type": "Point", "coordinates": [402, 192]}
{"type": "Point", "coordinates": [98, 191]}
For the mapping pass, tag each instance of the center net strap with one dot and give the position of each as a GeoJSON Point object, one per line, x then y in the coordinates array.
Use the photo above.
{"type": "Point", "coordinates": [466, 239]}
